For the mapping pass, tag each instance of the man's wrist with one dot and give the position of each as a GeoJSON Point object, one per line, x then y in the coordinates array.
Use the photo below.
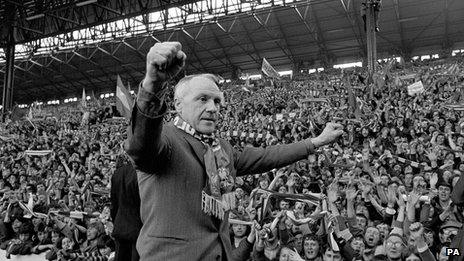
{"type": "Point", "coordinates": [316, 142]}
{"type": "Point", "coordinates": [153, 86]}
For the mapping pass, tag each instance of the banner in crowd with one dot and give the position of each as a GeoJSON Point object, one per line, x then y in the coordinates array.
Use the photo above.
{"type": "Point", "coordinates": [37, 152]}
{"type": "Point", "coordinates": [415, 88]}
{"type": "Point", "coordinates": [269, 70]}
{"type": "Point", "coordinates": [124, 100]}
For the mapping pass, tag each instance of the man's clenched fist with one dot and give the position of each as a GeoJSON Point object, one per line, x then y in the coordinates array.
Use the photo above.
{"type": "Point", "coordinates": [164, 61]}
{"type": "Point", "coordinates": [330, 133]}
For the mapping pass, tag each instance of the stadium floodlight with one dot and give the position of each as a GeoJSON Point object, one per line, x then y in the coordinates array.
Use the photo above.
{"type": "Point", "coordinates": [37, 16]}
{"type": "Point", "coordinates": [88, 2]}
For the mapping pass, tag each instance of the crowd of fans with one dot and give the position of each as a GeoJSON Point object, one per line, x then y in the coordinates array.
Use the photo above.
{"type": "Point", "coordinates": [384, 191]}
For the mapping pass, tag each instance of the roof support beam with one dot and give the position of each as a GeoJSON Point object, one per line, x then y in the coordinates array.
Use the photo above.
{"type": "Point", "coordinates": [315, 35]}
{"type": "Point", "coordinates": [94, 63]}
{"type": "Point", "coordinates": [358, 35]}
{"type": "Point", "coordinates": [269, 33]}
{"type": "Point", "coordinates": [237, 43]}
{"type": "Point", "coordinates": [285, 39]}
{"type": "Point", "coordinates": [404, 47]}
{"type": "Point", "coordinates": [87, 77]}
{"type": "Point", "coordinates": [54, 72]}
{"type": "Point", "coordinates": [118, 60]}
{"type": "Point", "coordinates": [424, 29]}
{"type": "Point", "coordinates": [192, 50]}
{"type": "Point", "coordinates": [447, 42]}
{"type": "Point", "coordinates": [203, 47]}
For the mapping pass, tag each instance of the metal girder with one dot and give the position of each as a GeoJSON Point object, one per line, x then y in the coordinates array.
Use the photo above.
{"type": "Point", "coordinates": [34, 75]}
{"type": "Point", "coordinates": [346, 8]}
{"type": "Point", "coordinates": [320, 37]}
{"type": "Point", "coordinates": [192, 50]}
{"type": "Point", "coordinates": [92, 62]}
{"type": "Point", "coordinates": [222, 47]}
{"type": "Point", "coordinates": [237, 43]}
{"type": "Point", "coordinates": [87, 16]}
{"type": "Point", "coordinates": [285, 39]}
{"type": "Point", "coordinates": [396, 5]}
{"type": "Point", "coordinates": [202, 46]}
{"type": "Point", "coordinates": [424, 29]}
{"type": "Point", "coordinates": [50, 70]}
{"type": "Point", "coordinates": [447, 43]}
{"type": "Point", "coordinates": [139, 54]}
{"type": "Point", "coordinates": [86, 76]}
{"type": "Point", "coordinates": [268, 32]}
{"type": "Point", "coordinates": [117, 59]}
{"type": "Point", "coordinates": [315, 35]}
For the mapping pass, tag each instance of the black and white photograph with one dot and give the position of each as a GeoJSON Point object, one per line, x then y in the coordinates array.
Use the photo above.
{"type": "Point", "coordinates": [232, 130]}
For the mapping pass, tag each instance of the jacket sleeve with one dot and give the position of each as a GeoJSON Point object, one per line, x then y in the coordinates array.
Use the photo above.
{"type": "Point", "coordinates": [458, 192]}
{"type": "Point", "coordinates": [258, 160]}
{"type": "Point", "coordinates": [21, 249]}
{"type": "Point", "coordinates": [427, 255]}
{"type": "Point", "coordinates": [114, 199]}
{"type": "Point", "coordinates": [243, 251]}
{"type": "Point", "coordinates": [145, 141]}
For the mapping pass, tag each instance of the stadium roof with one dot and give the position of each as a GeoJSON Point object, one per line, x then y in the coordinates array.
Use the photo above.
{"type": "Point", "coordinates": [69, 45]}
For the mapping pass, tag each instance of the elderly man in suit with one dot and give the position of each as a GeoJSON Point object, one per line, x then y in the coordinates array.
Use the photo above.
{"type": "Point", "coordinates": [185, 173]}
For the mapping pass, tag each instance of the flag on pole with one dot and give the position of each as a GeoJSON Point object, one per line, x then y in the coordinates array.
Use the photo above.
{"type": "Point", "coordinates": [84, 99]}
{"type": "Point", "coordinates": [124, 100]}
{"type": "Point", "coordinates": [267, 69]}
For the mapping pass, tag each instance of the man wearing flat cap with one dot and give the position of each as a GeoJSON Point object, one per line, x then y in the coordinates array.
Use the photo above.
{"type": "Point", "coordinates": [186, 174]}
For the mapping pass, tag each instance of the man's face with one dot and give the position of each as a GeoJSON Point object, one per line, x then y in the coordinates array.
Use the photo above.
{"type": "Point", "coordinates": [358, 245]}
{"type": "Point", "coordinates": [67, 243]}
{"type": "Point", "coordinates": [42, 236]}
{"type": "Point", "coordinates": [383, 230]}
{"type": "Point", "coordinates": [284, 205]}
{"type": "Point", "coordinates": [372, 236]}
{"type": "Point", "coordinates": [361, 221]}
{"type": "Point", "coordinates": [200, 104]}
{"type": "Point", "coordinates": [91, 233]}
{"type": "Point", "coordinates": [394, 247]}
{"type": "Point", "coordinates": [444, 193]}
{"type": "Point", "coordinates": [329, 255]}
{"type": "Point", "coordinates": [311, 249]}
{"type": "Point", "coordinates": [239, 230]}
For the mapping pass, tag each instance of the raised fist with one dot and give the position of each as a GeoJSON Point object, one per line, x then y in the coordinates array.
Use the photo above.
{"type": "Point", "coordinates": [164, 61]}
{"type": "Point", "coordinates": [330, 133]}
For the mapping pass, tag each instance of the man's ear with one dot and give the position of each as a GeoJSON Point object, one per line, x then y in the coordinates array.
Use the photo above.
{"type": "Point", "coordinates": [178, 105]}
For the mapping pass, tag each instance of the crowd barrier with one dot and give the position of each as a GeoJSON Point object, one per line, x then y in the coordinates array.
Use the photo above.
{"type": "Point", "coordinates": [40, 257]}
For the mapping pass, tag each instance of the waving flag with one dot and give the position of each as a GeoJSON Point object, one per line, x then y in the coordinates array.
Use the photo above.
{"type": "Point", "coordinates": [84, 98]}
{"type": "Point", "coordinates": [269, 70]}
{"type": "Point", "coordinates": [124, 100]}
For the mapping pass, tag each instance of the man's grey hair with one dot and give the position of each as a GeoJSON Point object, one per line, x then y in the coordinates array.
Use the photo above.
{"type": "Point", "coordinates": [180, 88]}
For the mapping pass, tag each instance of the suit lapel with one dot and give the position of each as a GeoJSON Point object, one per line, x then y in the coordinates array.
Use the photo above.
{"type": "Point", "coordinates": [196, 145]}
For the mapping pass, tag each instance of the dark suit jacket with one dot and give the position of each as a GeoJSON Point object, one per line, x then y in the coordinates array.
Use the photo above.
{"type": "Point", "coordinates": [458, 198]}
{"type": "Point", "coordinates": [125, 204]}
{"type": "Point", "coordinates": [171, 175]}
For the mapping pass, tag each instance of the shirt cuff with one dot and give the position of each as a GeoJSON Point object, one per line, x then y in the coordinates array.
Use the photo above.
{"type": "Point", "coordinates": [309, 147]}
{"type": "Point", "coordinates": [151, 104]}
{"type": "Point", "coordinates": [390, 211]}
